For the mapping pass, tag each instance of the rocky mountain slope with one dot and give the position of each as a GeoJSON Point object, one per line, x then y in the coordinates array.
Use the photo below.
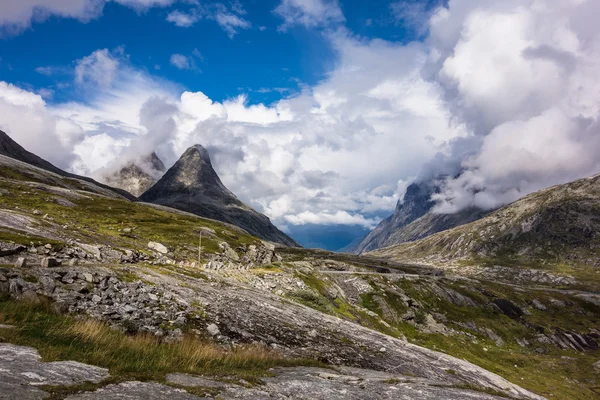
{"type": "Point", "coordinates": [413, 220]}
{"type": "Point", "coordinates": [555, 228]}
{"type": "Point", "coordinates": [10, 148]}
{"type": "Point", "coordinates": [136, 177]}
{"type": "Point", "coordinates": [192, 185]}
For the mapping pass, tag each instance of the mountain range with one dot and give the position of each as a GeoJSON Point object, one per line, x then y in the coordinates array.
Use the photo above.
{"type": "Point", "coordinates": [191, 185]}
{"type": "Point", "coordinates": [414, 218]}
{"type": "Point", "coordinates": [506, 305]}
{"type": "Point", "coordinates": [556, 226]}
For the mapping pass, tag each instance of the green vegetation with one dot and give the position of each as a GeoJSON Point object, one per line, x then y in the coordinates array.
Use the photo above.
{"type": "Point", "coordinates": [114, 222]}
{"type": "Point", "coordinates": [543, 369]}
{"type": "Point", "coordinates": [140, 357]}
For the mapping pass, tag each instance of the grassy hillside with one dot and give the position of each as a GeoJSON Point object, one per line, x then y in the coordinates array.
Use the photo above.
{"type": "Point", "coordinates": [556, 229]}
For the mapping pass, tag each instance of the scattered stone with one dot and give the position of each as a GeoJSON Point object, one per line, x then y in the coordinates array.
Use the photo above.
{"type": "Point", "coordinates": [21, 262]}
{"type": "Point", "coordinates": [538, 305]}
{"type": "Point", "coordinates": [558, 303]}
{"type": "Point", "coordinates": [88, 277]}
{"type": "Point", "coordinates": [50, 262]}
{"type": "Point", "coordinates": [596, 365]}
{"type": "Point", "coordinates": [126, 230]}
{"type": "Point", "coordinates": [213, 330]}
{"type": "Point", "coordinates": [228, 251]}
{"type": "Point", "coordinates": [12, 250]}
{"type": "Point", "coordinates": [94, 250]}
{"type": "Point", "coordinates": [159, 247]}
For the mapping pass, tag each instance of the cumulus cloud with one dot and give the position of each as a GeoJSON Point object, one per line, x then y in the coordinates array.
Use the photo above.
{"type": "Point", "coordinates": [332, 154]}
{"type": "Point", "coordinates": [16, 16]}
{"type": "Point", "coordinates": [309, 13]}
{"type": "Point", "coordinates": [498, 100]}
{"type": "Point", "coordinates": [523, 75]}
{"type": "Point", "coordinates": [26, 118]}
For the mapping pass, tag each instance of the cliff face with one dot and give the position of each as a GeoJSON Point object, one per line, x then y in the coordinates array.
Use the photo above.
{"type": "Point", "coordinates": [416, 203]}
{"type": "Point", "coordinates": [414, 219]}
{"type": "Point", "coordinates": [192, 185]}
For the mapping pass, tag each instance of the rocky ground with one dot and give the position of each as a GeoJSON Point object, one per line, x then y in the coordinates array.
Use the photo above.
{"type": "Point", "coordinates": [22, 372]}
{"type": "Point", "coordinates": [136, 268]}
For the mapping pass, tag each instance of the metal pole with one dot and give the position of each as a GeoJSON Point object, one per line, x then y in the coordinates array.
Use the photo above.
{"type": "Point", "coordinates": [200, 251]}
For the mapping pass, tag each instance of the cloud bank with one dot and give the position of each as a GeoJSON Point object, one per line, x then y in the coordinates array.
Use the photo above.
{"type": "Point", "coordinates": [500, 99]}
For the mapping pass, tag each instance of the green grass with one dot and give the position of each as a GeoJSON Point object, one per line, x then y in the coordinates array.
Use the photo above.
{"type": "Point", "coordinates": [543, 369]}
{"type": "Point", "coordinates": [143, 357]}
{"type": "Point", "coordinates": [100, 220]}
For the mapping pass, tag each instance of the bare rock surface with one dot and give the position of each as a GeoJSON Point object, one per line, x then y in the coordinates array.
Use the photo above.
{"type": "Point", "coordinates": [303, 383]}
{"type": "Point", "coordinates": [188, 380]}
{"type": "Point", "coordinates": [21, 370]}
{"type": "Point", "coordinates": [136, 391]}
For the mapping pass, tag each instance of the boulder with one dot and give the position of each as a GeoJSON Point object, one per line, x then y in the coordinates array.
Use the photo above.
{"type": "Point", "coordinates": [11, 250]}
{"type": "Point", "coordinates": [228, 251]}
{"type": "Point", "coordinates": [213, 330]}
{"type": "Point", "coordinates": [50, 262]}
{"type": "Point", "coordinates": [94, 250]}
{"type": "Point", "coordinates": [21, 262]}
{"type": "Point", "coordinates": [159, 247]}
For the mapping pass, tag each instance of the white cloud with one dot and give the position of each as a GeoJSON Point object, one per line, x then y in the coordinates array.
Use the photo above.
{"type": "Point", "coordinates": [25, 117]}
{"type": "Point", "coordinates": [231, 23]}
{"type": "Point", "coordinates": [508, 93]}
{"type": "Point", "coordinates": [183, 20]}
{"type": "Point", "coordinates": [98, 68]}
{"type": "Point", "coordinates": [180, 61]}
{"type": "Point", "coordinates": [325, 218]}
{"type": "Point", "coordinates": [16, 16]}
{"type": "Point", "coordinates": [331, 154]}
{"type": "Point", "coordinates": [309, 13]}
{"type": "Point", "coordinates": [524, 76]}
{"type": "Point", "coordinates": [229, 19]}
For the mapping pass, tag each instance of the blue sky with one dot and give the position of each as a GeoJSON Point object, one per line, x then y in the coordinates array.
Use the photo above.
{"type": "Point", "coordinates": [318, 113]}
{"type": "Point", "coordinates": [261, 60]}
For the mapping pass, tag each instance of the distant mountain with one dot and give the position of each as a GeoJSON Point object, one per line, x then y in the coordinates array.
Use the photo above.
{"type": "Point", "coordinates": [192, 185]}
{"type": "Point", "coordinates": [555, 225]}
{"type": "Point", "coordinates": [416, 203]}
{"type": "Point", "coordinates": [11, 149]}
{"type": "Point", "coordinates": [413, 220]}
{"type": "Point", "coordinates": [136, 177]}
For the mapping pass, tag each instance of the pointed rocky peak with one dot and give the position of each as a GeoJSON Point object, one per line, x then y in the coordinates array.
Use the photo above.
{"type": "Point", "coordinates": [154, 162]}
{"type": "Point", "coordinates": [137, 176]}
{"type": "Point", "coordinates": [198, 150]}
{"type": "Point", "coordinates": [194, 172]}
{"type": "Point", "coordinates": [192, 185]}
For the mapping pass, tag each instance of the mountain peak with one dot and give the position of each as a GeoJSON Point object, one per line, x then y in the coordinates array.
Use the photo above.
{"type": "Point", "coordinates": [137, 176]}
{"type": "Point", "coordinates": [199, 150]}
{"type": "Point", "coordinates": [192, 185]}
